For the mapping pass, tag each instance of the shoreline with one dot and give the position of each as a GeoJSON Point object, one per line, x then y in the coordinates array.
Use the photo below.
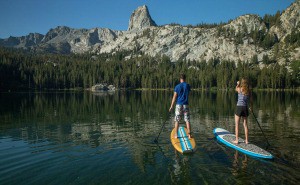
{"type": "Point", "coordinates": [213, 89]}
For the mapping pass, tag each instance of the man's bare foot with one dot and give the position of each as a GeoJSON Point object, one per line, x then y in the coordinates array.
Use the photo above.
{"type": "Point", "coordinates": [235, 141]}
{"type": "Point", "coordinates": [246, 142]}
{"type": "Point", "coordinates": [175, 136]}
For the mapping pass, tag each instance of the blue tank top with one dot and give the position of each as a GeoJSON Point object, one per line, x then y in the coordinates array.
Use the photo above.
{"type": "Point", "coordinates": [242, 99]}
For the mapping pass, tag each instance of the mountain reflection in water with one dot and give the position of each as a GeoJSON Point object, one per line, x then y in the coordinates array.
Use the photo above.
{"type": "Point", "coordinates": [86, 138]}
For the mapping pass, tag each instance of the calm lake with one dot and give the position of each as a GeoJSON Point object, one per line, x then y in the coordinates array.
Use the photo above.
{"type": "Point", "coordinates": [85, 138]}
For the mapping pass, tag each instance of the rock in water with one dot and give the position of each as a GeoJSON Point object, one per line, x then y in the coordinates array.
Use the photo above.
{"type": "Point", "coordinates": [102, 88]}
{"type": "Point", "coordinates": [140, 19]}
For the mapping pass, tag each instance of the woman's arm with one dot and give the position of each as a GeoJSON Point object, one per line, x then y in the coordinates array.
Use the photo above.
{"type": "Point", "coordinates": [251, 100]}
{"type": "Point", "coordinates": [237, 87]}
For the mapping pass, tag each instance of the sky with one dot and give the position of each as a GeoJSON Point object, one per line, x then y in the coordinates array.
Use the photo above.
{"type": "Point", "coordinates": [21, 17]}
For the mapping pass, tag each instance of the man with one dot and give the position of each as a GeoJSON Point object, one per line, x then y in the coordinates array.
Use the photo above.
{"type": "Point", "coordinates": [181, 96]}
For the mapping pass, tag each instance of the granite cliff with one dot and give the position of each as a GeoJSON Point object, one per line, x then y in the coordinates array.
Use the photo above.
{"type": "Point", "coordinates": [234, 41]}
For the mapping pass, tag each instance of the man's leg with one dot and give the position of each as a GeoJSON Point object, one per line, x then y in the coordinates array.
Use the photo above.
{"type": "Point", "coordinates": [186, 113]}
{"type": "Point", "coordinates": [176, 129]}
{"type": "Point", "coordinates": [178, 112]}
{"type": "Point", "coordinates": [188, 127]}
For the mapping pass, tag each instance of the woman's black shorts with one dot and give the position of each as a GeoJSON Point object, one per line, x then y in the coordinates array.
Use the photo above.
{"type": "Point", "coordinates": [242, 111]}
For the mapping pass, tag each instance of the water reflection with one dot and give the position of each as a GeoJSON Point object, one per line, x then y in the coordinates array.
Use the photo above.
{"type": "Point", "coordinates": [180, 169]}
{"type": "Point", "coordinates": [238, 168]}
{"type": "Point", "coordinates": [123, 125]}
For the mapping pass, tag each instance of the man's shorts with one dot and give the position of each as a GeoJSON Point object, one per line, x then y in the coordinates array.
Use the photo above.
{"type": "Point", "coordinates": [182, 110]}
{"type": "Point", "coordinates": [242, 111]}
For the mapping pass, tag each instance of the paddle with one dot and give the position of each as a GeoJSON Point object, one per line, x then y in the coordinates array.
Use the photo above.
{"type": "Point", "coordinates": [260, 127]}
{"type": "Point", "coordinates": [156, 139]}
{"type": "Point", "coordinates": [285, 161]}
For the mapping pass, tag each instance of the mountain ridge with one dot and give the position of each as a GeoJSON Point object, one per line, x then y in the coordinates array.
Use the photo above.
{"type": "Point", "coordinates": [238, 40]}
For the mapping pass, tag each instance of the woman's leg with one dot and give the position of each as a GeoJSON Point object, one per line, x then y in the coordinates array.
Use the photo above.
{"type": "Point", "coordinates": [246, 129]}
{"type": "Point", "coordinates": [237, 120]}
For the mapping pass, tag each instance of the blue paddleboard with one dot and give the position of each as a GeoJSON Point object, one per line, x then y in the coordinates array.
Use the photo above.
{"type": "Point", "coordinates": [227, 138]}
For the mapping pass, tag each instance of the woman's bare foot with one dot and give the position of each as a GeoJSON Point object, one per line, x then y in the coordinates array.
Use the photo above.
{"type": "Point", "coordinates": [246, 142]}
{"type": "Point", "coordinates": [235, 141]}
{"type": "Point", "coordinates": [175, 136]}
{"type": "Point", "coordinates": [190, 136]}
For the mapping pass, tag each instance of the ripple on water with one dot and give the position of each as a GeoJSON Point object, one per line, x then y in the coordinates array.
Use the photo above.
{"type": "Point", "coordinates": [18, 160]}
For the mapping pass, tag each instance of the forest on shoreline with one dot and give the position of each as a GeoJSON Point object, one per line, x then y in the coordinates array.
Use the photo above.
{"type": "Point", "coordinates": [22, 70]}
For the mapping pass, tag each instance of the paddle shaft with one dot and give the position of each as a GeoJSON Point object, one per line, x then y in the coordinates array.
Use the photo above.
{"type": "Point", "coordinates": [260, 127]}
{"type": "Point", "coordinates": [156, 139]}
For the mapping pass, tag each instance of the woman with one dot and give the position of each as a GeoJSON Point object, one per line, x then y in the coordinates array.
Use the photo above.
{"type": "Point", "coordinates": [242, 108]}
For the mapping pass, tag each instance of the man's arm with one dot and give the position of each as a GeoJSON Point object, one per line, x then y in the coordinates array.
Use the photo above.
{"type": "Point", "coordinates": [173, 101]}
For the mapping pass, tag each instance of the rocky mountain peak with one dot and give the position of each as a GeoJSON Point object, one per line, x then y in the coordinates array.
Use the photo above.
{"type": "Point", "coordinates": [247, 23]}
{"type": "Point", "coordinates": [288, 20]}
{"type": "Point", "coordinates": [58, 31]}
{"type": "Point", "coordinates": [140, 18]}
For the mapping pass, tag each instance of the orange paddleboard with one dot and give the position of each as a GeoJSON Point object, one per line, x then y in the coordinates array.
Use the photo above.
{"type": "Point", "coordinates": [182, 143]}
